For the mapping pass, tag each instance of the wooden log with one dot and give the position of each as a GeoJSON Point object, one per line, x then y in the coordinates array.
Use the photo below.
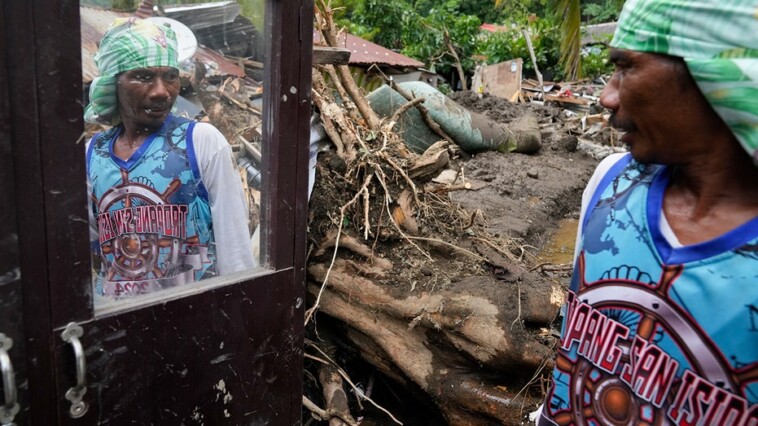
{"type": "Point", "coordinates": [330, 55]}
{"type": "Point", "coordinates": [567, 99]}
{"type": "Point", "coordinates": [398, 337]}
{"type": "Point", "coordinates": [431, 161]}
{"type": "Point", "coordinates": [330, 35]}
{"type": "Point", "coordinates": [335, 397]}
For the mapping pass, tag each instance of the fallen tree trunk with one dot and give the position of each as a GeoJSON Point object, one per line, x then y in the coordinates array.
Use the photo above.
{"type": "Point", "coordinates": [472, 356]}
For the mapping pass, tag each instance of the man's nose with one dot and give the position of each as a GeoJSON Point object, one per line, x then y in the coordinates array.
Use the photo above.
{"type": "Point", "coordinates": [159, 89]}
{"type": "Point", "coordinates": [609, 97]}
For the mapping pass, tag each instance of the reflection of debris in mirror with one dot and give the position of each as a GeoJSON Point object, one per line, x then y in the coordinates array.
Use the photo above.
{"type": "Point", "coordinates": [186, 108]}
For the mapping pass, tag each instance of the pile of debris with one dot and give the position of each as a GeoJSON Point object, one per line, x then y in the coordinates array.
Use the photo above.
{"type": "Point", "coordinates": [412, 265]}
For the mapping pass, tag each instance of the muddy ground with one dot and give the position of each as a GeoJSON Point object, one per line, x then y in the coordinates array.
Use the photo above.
{"type": "Point", "coordinates": [515, 201]}
{"type": "Point", "coordinates": [527, 195]}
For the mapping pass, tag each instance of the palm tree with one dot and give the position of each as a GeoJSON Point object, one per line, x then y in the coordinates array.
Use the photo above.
{"type": "Point", "coordinates": [570, 20]}
{"type": "Point", "coordinates": [570, 23]}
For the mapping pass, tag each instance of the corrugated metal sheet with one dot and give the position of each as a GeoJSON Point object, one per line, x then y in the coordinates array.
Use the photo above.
{"type": "Point", "coordinates": [217, 64]}
{"type": "Point", "coordinates": [95, 22]}
{"type": "Point", "coordinates": [364, 52]}
{"type": "Point", "coordinates": [204, 15]}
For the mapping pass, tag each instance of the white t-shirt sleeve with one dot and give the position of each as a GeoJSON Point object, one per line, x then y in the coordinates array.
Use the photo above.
{"type": "Point", "coordinates": [228, 206]}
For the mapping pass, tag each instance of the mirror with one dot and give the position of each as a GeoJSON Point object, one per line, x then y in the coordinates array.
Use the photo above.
{"type": "Point", "coordinates": [174, 94]}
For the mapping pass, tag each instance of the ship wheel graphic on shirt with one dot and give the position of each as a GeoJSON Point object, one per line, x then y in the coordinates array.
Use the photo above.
{"type": "Point", "coordinates": [603, 399]}
{"type": "Point", "coordinates": [136, 255]}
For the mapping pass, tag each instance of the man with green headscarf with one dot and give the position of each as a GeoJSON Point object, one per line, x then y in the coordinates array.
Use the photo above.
{"type": "Point", "coordinates": [661, 322]}
{"type": "Point", "coordinates": [166, 201]}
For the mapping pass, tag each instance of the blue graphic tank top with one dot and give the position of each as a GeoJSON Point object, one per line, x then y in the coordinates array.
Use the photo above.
{"type": "Point", "coordinates": [656, 335]}
{"type": "Point", "coordinates": [152, 212]}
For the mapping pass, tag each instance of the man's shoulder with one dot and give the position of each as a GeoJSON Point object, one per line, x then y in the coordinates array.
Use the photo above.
{"type": "Point", "coordinates": [618, 164]}
{"type": "Point", "coordinates": [208, 135]}
{"type": "Point", "coordinates": [207, 130]}
{"type": "Point", "coordinates": [608, 162]}
{"type": "Point", "coordinates": [206, 142]}
{"type": "Point", "coordinates": [175, 122]}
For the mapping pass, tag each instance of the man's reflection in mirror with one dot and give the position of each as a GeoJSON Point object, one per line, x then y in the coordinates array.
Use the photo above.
{"type": "Point", "coordinates": [167, 203]}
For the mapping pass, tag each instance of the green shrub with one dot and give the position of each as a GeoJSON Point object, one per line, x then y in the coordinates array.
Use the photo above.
{"type": "Point", "coordinates": [595, 62]}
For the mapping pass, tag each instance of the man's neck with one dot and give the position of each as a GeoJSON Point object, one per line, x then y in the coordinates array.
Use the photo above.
{"type": "Point", "coordinates": [129, 141]}
{"type": "Point", "coordinates": [712, 194]}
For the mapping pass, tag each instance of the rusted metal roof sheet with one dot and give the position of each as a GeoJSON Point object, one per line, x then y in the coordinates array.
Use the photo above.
{"type": "Point", "coordinates": [95, 22]}
{"type": "Point", "coordinates": [215, 64]}
{"type": "Point", "coordinates": [364, 52]}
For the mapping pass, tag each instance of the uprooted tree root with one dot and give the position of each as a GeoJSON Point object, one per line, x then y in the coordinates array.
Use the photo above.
{"type": "Point", "coordinates": [473, 344]}
{"type": "Point", "coordinates": [427, 297]}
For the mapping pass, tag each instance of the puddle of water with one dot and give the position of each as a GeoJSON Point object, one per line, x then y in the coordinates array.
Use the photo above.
{"type": "Point", "coordinates": [560, 247]}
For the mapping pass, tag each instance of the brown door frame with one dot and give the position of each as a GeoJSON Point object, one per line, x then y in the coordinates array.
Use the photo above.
{"type": "Point", "coordinates": [43, 65]}
{"type": "Point", "coordinates": [11, 318]}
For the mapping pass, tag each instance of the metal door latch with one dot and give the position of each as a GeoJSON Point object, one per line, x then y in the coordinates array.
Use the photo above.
{"type": "Point", "coordinates": [75, 395]}
{"type": "Point", "coordinates": [8, 410]}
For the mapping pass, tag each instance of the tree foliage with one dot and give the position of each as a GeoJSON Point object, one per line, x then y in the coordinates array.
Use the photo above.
{"type": "Point", "coordinates": [568, 14]}
{"type": "Point", "coordinates": [598, 11]}
{"type": "Point", "coordinates": [427, 37]}
{"type": "Point", "coordinates": [418, 28]}
{"type": "Point", "coordinates": [509, 44]}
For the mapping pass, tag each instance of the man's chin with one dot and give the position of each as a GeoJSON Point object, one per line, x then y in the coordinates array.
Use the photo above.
{"type": "Point", "coordinates": [152, 123]}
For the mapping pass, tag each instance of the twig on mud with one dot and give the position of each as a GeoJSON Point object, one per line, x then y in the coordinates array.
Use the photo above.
{"type": "Point", "coordinates": [472, 221]}
{"type": "Point", "coordinates": [366, 223]}
{"type": "Point", "coordinates": [552, 267]}
{"type": "Point", "coordinates": [312, 310]}
{"type": "Point", "coordinates": [494, 246]}
{"type": "Point", "coordinates": [325, 415]}
{"type": "Point", "coordinates": [387, 200]}
{"type": "Point", "coordinates": [535, 376]}
{"type": "Point", "coordinates": [462, 250]}
{"type": "Point", "coordinates": [344, 375]}
{"type": "Point", "coordinates": [518, 317]}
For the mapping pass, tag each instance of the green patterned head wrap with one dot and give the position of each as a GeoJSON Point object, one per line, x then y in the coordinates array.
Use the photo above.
{"type": "Point", "coordinates": [129, 43]}
{"type": "Point", "coordinates": [718, 40]}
